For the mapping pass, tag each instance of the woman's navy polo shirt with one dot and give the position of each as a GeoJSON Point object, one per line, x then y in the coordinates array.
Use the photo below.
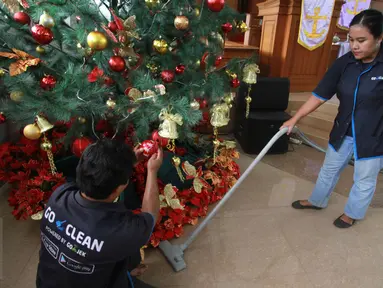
{"type": "Point", "coordinates": [359, 88]}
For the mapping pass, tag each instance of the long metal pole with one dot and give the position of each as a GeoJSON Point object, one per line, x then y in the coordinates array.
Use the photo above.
{"type": "Point", "coordinates": [222, 202]}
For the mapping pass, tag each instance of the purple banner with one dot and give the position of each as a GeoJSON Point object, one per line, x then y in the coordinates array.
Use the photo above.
{"type": "Point", "coordinates": [349, 10]}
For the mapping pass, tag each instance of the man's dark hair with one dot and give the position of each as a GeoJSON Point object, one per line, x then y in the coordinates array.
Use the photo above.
{"type": "Point", "coordinates": [371, 19]}
{"type": "Point", "coordinates": [103, 167]}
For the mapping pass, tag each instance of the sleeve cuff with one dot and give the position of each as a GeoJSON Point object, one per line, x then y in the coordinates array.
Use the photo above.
{"type": "Point", "coordinates": [319, 97]}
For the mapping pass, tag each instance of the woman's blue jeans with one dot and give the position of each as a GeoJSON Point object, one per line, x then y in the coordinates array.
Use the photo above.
{"type": "Point", "coordinates": [365, 179]}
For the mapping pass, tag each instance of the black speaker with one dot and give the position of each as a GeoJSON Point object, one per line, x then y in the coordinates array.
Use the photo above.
{"type": "Point", "coordinates": [254, 133]}
{"type": "Point", "coordinates": [267, 94]}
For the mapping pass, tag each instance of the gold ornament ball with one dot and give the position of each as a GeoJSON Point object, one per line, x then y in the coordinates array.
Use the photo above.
{"type": "Point", "coordinates": [195, 105]}
{"type": "Point", "coordinates": [152, 3]}
{"type": "Point", "coordinates": [111, 103]}
{"type": "Point", "coordinates": [196, 11]}
{"type": "Point", "coordinates": [82, 120]}
{"type": "Point", "coordinates": [46, 146]}
{"type": "Point", "coordinates": [32, 132]}
{"type": "Point", "coordinates": [160, 45]}
{"type": "Point", "coordinates": [47, 20]}
{"type": "Point", "coordinates": [40, 50]}
{"type": "Point", "coordinates": [181, 22]}
{"type": "Point", "coordinates": [97, 40]}
{"type": "Point", "coordinates": [242, 26]}
{"type": "Point", "coordinates": [2, 72]}
{"type": "Point", "coordinates": [16, 96]}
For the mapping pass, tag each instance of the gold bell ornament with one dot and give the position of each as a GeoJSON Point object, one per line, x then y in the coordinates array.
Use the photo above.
{"type": "Point", "coordinates": [220, 116]}
{"type": "Point", "coordinates": [250, 77]}
{"type": "Point", "coordinates": [45, 145]}
{"type": "Point", "coordinates": [168, 127]}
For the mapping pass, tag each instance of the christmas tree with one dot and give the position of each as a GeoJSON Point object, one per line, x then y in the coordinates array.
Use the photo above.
{"type": "Point", "coordinates": [146, 72]}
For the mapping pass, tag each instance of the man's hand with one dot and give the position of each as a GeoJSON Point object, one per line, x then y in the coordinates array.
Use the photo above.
{"type": "Point", "coordinates": [139, 153]}
{"type": "Point", "coordinates": [155, 161]}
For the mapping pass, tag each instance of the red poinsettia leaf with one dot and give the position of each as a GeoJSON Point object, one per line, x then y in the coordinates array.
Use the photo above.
{"type": "Point", "coordinates": [169, 235]}
{"type": "Point", "coordinates": [110, 33]}
{"type": "Point", "coordinates": [119, 23]}
{"type": "Point", "coordinates": [196, 202]}
{"type": "Point", "coordinates": [178, 231]}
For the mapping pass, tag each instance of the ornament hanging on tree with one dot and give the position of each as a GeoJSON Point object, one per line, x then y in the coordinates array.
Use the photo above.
{"type": "Point", "coordinates": [195, 105]}
{"type": "Point", "coordinates": [97, 40]}
{"type": "Point", "coordinates": [227, 27]}
{"type": "Point", "coordinates": [180, 69]}
{"type": "Point", "coordinates": [150, 147]}
{"type": "Point", "coordinates": [197, 11]}
{"type": "Point", "coordinates": [117, 63]}
{"type": "Point", "coordinates": [81, 120]}
{"type": "Point", "coordinates": [22, 18]}
{"type": "Point", "coordinates": [40, 49]}
{"type": "Point", "coordinates": [2, 118]}
{"type": "Point", "coordinates": [168, 127]}
{"type": "Point", "coordinates": [111, 103]}
{"type": "Point", "coordinates": [250, 77]}
{"type": "Point", "coordinates": [2, 72]}
{"type": "Point", "coordinates": [160, 45]}
{"type": "Point", "coordinates": [113, 26]}
{"type": "Point", "coordinates": [235, 83]}
{"type": "Point", "coordinates": [218, 61]}
{"type": "Point", "coordinates": [42, 34]}
{"type": "Point", "coordinates": [163, 142]}
{"type": "Point", "coordinates": [181, 22]}
{"type": "Point", "coordinates": [152, 3]}
{"type": "Point", "coordinates": [167, 76]}
{"type": "Point", "coordinates": [32, 132]}
{"type": "Point", "coordinates": [79, 145]}
{"type": "Point", "coordinates": [48, 82]}
{"type": "Point", "coordinates": [242, 27]}
{"type": "Point", "coordinates": [47, 20]}
{"type": "Point", "coordinates": [215, 5]}
{"type": "Point", "coordinates": [16, 96]}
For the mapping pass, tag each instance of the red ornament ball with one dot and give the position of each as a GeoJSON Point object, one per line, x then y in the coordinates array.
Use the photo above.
{"type": "Point", "coordinates": [163, 142]}
{"type": "Point", "coordinates": [79, 145]}
{"type": "Point", "coordinates": [205, 116]}
{"type": "Point", "coordinates": [227, 27]}
{"type": "Point", "coordinates": [3, 119]}
{"type": "Point", "coordinates": [112, 26]}
{"type": "Point", "coordinates": [150, 147]}
{"type": "Point", "coordinates": [48, 82]}
{"type": "Point", "coordinates": [218, 61]}
{"type": "Point", "coordinates": [167, 76]}
{"type": "Point", "coordinates": [117, 63]}
{"type": "Point", "coordinates": [22, 18]}
{"type": "Point", "coordinates": [215, 5]}
{"type": "Point", "coordinates": [41, 34]}
{"type": "Point", "coordinates": [180, 69]}
{"type": "Point", "coordinates": [235, 83]}
{"type": "Point", "coordinates": [203, 103]}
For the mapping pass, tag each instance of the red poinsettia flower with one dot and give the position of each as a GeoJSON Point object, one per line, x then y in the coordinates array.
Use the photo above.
{"type": "Point", "coordinates": [96, 74]}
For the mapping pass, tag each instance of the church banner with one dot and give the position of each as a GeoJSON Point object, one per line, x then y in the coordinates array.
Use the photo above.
{"type": "Point", "coordinates": [349, 10]}
{"type": "Point", "coordinates": [315, 22]}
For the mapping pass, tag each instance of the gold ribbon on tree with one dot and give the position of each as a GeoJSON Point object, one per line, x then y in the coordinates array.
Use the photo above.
{"type": "Point", "coordinates": [169, 199]}
{"type": "Point", "coordinates": [23, 61]}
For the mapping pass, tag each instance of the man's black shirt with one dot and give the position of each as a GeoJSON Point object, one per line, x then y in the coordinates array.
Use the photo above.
{"type": "Point", "coordinates": [89, 244]}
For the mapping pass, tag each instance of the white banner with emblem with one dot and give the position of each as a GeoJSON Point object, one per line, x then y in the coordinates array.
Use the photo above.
{"type": "Point", "coordinates": [349, 10]}
{"type": "Point", "coordinates": [315, 22]}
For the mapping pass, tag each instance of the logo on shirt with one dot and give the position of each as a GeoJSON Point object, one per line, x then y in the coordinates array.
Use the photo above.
{"type": "Point", "coordinates": [74, 233]}
{"type": "Point", "coordinates": [59, 225]}
{"type": "Point", "coordinates": [50, 246]}
{"type": "Point", "coordinates": [75, 266]}
{"type": "Point", "coordinates": [377, 78]}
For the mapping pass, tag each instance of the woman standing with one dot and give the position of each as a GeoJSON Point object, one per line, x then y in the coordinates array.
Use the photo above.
{"type": "Point", "coordinates": [357, 80]}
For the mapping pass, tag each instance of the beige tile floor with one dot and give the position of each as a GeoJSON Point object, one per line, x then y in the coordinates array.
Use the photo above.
{"type": "Point", "coordinates": [257, 240]}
